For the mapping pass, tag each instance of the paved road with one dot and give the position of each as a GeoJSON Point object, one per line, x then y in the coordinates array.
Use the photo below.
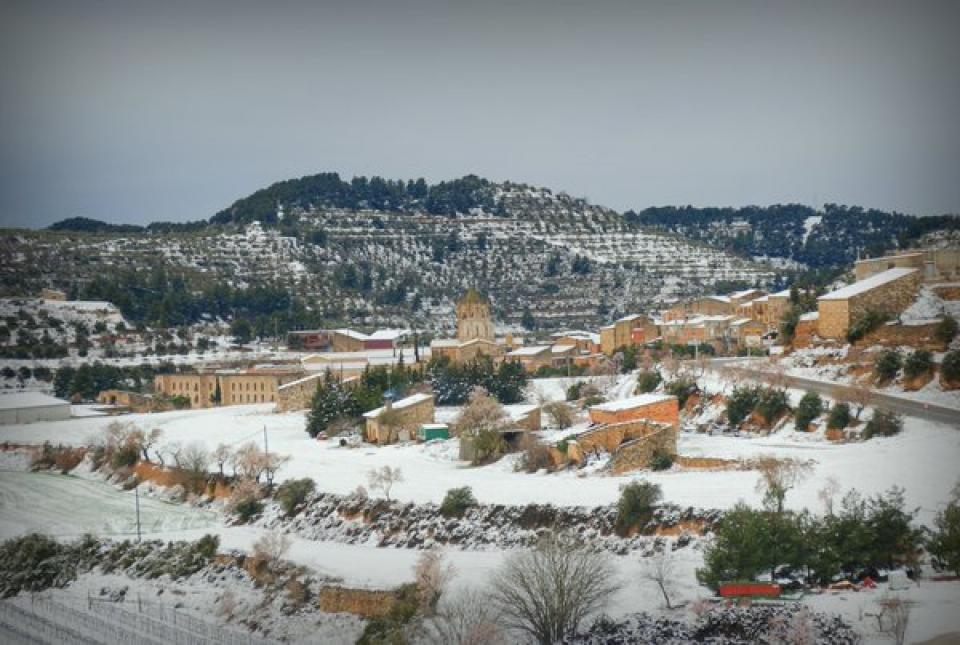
{"type": "Point", "coordinates": [899, 404]}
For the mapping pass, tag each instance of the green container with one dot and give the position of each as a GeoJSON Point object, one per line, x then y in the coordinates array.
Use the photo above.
{"type": "Point", "coordinates": [429, 432]}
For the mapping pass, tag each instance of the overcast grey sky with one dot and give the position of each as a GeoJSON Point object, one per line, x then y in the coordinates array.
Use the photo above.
{"type": "Point", "coordinates": [133, 111]}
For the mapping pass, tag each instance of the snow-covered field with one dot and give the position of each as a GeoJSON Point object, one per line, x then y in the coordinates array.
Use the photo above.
{"type": "Point", "coordinates": [922, 459]}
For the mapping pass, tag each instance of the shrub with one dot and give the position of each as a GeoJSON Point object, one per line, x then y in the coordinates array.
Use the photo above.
{"type": "Point", "coordinates": [661, 460]}
{"type": "Point", "coordinates": [488, 445]}
{"type": "Point", "coordinates": [883, 423]}
{"type": "Point", "coordinates": [596, 399]}
{"type": "Point", "coordinates": [810, 407]}
{"type": "Point", "coordinates": [457, 501]}
{"type": "Point", "coordinates": [682, 388]}
{"type": "Point", "coordinates": [839, 417]}
{"type": "Point", "coordinates": [887, 365]}
{"type": "Point", "coordinates": [950, 367]}
{"type": "Point", "coordinates": [741, 403]}
{"type": "Point", "coordinates": [946, 330]}
{"type": "Point", "coordinates": [247, 509]}
{"type": "Point", "coordinates": [919, 363]}
{"type": "Point", "coordinates": [294, 492]}
{"type": "Point", "coordinates": [866, 324]}
{"type": "Point", "coordinates": [771, 403]}
{"type": "Point", "coordinates": [636, 503]}
{"type": "Point", "coordinates": [573, 392]}
{"type": "Point", "coordinates": [125, 456]}
{"type": "Point", "coordinates": [647, 381]}
{"type": "Point", "coordinates": [560, 413]}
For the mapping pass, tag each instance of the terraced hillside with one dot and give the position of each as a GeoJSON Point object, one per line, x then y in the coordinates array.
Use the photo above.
{"type": "Point", "coordinates": [568, 262]}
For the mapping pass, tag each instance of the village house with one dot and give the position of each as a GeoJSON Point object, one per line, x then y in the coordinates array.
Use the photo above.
{"type": "Point", "coordinates": [311, 340]}
{"type": "Point", "coordinates": [400, 420]}
{"type": "Point", "coordinates": [746, 332]}
{"type": "Point", "coordinates": [532, 357]}
{"type": "Point", "coordinates": [661, 408]}
{"type": "Point", "coordinates": [768, 309]}
{"type": "Point", "coordinates": [739, 298]}
{"type": "Point", "coordinates": [889, 292]}
{"type": "Point", "coordinates": [935, 265]}
{"type": "Point", "coordinates": [628, 331]}
{"type": "Point", "coordinates": [346, 364]}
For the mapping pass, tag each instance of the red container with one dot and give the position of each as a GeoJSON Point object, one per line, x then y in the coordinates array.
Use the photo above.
{"type": "Point", "coordinates": [750, 590]}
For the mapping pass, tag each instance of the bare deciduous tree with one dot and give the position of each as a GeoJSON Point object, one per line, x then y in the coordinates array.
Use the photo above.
{"type": "Point", "coordinates": [547, 591]}
{"type": "Point", "coordinates": [465, 619]}
{"type": "Point", "coordinates": [482, 413]}
{"type": "Point", "coordinates": [894, 618]}
{"type": "Point", "coordinates": [830, 490]}
{"type": "Point", "coordinates": [384, 479]}
{"type": "Point", "coordinates": [660, 569]}
{"type": "Point", "coordinates": [777, 477]}
{"type": "Point", "coordinates": [195, 460]}
{"type": "Point", "coordinates": [860, 397]}
{"type": "Point", "coordinates": [271, 547]}
{"type": "Point", "coordinates": [221, 456]}
{"type": "Point", "coordinates": [432, 575]}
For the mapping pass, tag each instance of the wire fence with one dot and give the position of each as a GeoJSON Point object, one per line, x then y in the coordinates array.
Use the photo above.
{"type": "Point", "coordinates": [113, 623]}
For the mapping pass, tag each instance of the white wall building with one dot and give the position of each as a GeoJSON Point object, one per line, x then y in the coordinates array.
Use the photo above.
{"type": "Point", "coordinates": [28, 407]}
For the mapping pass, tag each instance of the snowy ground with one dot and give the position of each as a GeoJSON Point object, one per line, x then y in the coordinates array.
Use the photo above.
{"type": "Point", "coordinates": [922, 459]}
{"type": "Point", "coordinates": [368, 566]}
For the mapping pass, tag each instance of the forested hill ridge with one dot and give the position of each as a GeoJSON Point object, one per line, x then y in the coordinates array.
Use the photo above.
{"type": "Point", "coordinates": [323, 251]}
{"type": "Point", "coordinates": [834, 236]}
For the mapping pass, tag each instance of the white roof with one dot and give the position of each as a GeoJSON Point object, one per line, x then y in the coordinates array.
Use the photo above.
{"type": "Point", "coordinates": [629, 318]}
{"type": "Point", "coordinates": [633, 402]}
{"type": "Point", "coordinates": [869, 284]}
{"type": "Point", "coordinates": [717, 298]}
{"type": "Point", "coordinates": [413, 399]}
{"type": "Point", "coordinates": [351, 334]}
{"type": "Point", "coordinates": [740, 294]}
{"type": "Point", "coordinates": [302, 380]}
{"type": "Point", "coordinates": [388, 334]}
{"type": "Point", "coordinates": [781, 294]}
{"type": "Point", "coordinates": [19, 400]}
{"type": "Point", "coordinates": [519, 410]}
{"type": "Point", "coordinates": [532, 350]}
{"type": "Point", "coordinates": [908, 254]}
{"type": "Point", "coordinates": [445, 342]}
{"type": "Point", "coordinates": [562, 349]}
{"type": "Point", "coordinates": [740, 321]}
{"type": "Point", "coordinates": [812, 315]}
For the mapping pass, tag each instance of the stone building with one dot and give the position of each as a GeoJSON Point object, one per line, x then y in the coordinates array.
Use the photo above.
{"type": "Point", "coordinates": [661, 408]}
{"type": "Point", "coordinates": [475, 333]}
{"type": "Point", "coordinates": [53, 294]}
{"type": "Point", "coordinates": [473, 318]}
{"type": "Point", "coordinates": [132, 401]}
{"type": "Point", "coordinates": [890, 292]}
{"type": "Point", "coordinates": [935, 265]}
{"type": "Point", "coordinates": [400, 420]}
{"type": "Point", "coordinates": [298, 394]}
{"type": "Point", "coordinates": [532, 357]}
{"type": "Point", "coordinates": [227, 387]}
{"type": "Point", "coordinates": [625, 332]}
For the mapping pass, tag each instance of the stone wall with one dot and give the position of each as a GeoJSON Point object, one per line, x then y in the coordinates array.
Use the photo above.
{"type": "Point", "coordinates": [299, 394]}
{"type": "Point", "coordinates": [365, 603]}
{"type": "Point", "coordinates": [631, 436]}
{"type": "Point", "coordinates": [896, 335]}
{"type": "Point", "coordinates": [636, 454]}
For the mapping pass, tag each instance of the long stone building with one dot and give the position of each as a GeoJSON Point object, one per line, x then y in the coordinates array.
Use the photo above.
{"type": "Point", "coordinates": [890, 292]}
{"type": "Point", "coordinates": [227, 387]}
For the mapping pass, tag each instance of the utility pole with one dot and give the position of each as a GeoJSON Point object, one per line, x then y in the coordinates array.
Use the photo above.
{"type": "Point", "coordinates": [266, 453]}
{"type": "Point", "coordinates": [136, 497]}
